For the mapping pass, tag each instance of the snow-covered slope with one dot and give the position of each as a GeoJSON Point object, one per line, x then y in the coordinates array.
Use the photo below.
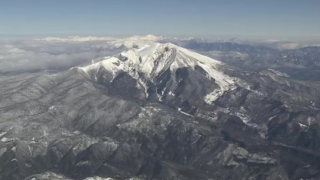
{"type": "Point", "coordinates": [153, 60]}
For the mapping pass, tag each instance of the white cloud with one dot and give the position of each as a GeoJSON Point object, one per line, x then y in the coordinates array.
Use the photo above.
{"type": "Point", "coordinates": [31, 55]}
{"type": "Point", "coordinates": [60, 53]}
{"type": "Point", "coordinates": [77, 39]}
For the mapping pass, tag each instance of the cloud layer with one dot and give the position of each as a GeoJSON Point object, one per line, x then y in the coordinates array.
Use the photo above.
{"type": "Point", "coordinates": [32, 55]}
{"type": "Point", "coordinates": [54, 53]}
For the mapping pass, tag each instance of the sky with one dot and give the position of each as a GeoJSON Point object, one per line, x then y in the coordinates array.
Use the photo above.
{"type": "Point", "coordinates": [234, 18]}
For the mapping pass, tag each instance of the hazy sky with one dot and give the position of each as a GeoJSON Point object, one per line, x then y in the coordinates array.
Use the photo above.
{"type": "Point", "coordinates": [251, 18]}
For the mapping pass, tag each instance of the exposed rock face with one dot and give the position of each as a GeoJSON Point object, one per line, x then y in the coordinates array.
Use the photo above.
{"type": "Point", "coordinates": [160, 112]}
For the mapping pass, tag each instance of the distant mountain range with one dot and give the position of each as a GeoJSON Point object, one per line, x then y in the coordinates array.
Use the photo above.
{"type": "Point", "coordinates": [302, 63]}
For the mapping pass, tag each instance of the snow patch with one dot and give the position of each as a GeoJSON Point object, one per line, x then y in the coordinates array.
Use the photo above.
{"type": "Point", "coordinates": [303, 125]}
{"type": "Point", "coordinates": [209, 98]}
{"type": "Point", "coordinates": [3, 133]}
{"type": "Point", "coordinates": [180, 110]}
{"type": "Point", "coordinates": [4, 139]}
{"type": "Point", "coordinates": [171, 93]}
{"type": "Point", "coordinates": [279, 73]}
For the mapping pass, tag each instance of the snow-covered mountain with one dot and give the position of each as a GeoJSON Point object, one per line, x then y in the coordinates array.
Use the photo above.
{"type": "Point", "coordinates": [151, 61]}
{"type": "Point", "coordinates": [158, 111]}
